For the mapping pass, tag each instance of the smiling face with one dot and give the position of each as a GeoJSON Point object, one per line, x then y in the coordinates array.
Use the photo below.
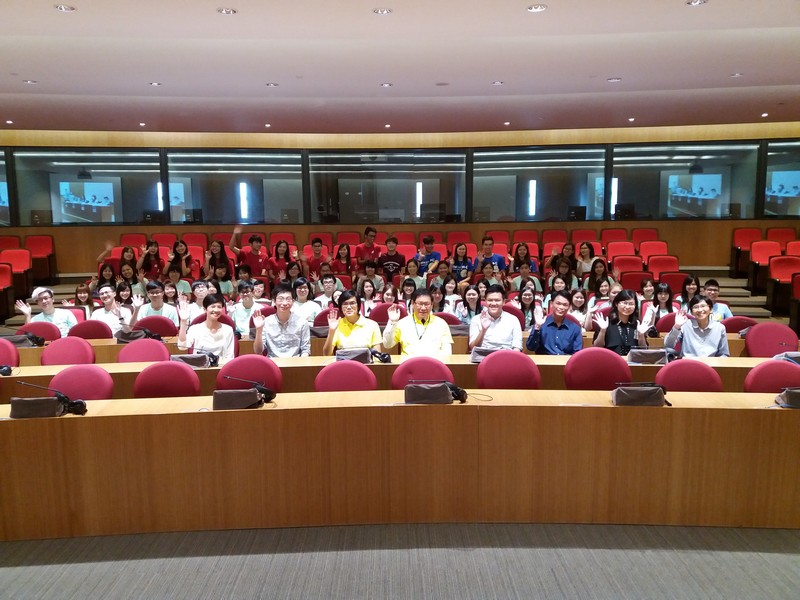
{"type": "Point", "coordinates": [350, 310]}
{"type": "Point", "coordinates": [691, 290]}
{"type": "Point", "coordinates": [368, 289]}
{"type": "Point", "coordinates": [559, 285]}
{"type": "Point", "coordinates": [422, 307]}
{"type": "Point", "coordinates": [701, 312]}
{"type": "Point", "coordinates": [436, 295]}
{"type": "Point", "coordinates": [471, 297]}
{"type": "Point", "coordinates": [494, 304]}
{"type": "Point", "coordinates": [584, 250]}
{"type": "Point", "coordinates": [413, 268]}
{"type": "Point", "coordinates": [578, 299]}
{"type": "Point", "coordinates": [283, 248]}
{"type": "Point", "coordinates": [604, 288]}
{"type": "Point", "coordinates": [389, 295]}
{"type": "Point", "coordinates": [107, 273]}
{"type": "Point", "coordinates": [126, 271]}
{"type": "Point", "coordinates": [216, 247]}
{"type": "Point", "coordinates": [180, 248]}
{"type": "Point", "coordinates": [527, 296]}
{"type": "Point", "coordinates": [560, 306]}
{"type": "Point", "coordinates": [450, 287]}
{"type": "Point", "coordinates": [213, 311]}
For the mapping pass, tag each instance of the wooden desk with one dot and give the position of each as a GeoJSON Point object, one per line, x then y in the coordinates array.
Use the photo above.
{"type": "Point", "coordinates": [312, 459]}
{"type": "Point", "coordinates": [299, 374]}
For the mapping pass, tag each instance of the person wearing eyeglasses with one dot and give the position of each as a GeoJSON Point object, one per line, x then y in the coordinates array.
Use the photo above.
{"type": "Point", "coordinates": [60, 317]}
{"type": "Point", "coordinates": [621, 330]}
{"type": "Point", "coordinates": [700, 334]}
{"type": "Point", "coordinates": [494, 327]}
{"type": "Point", "coordinates": [284, 334]}
{"type": "Point", "coordinates": [348, 328]}
{"type": "Point", "coordinates": [156, 305]}
{"type": "Point", "coordinates": [421, 333]}
{"type": "Point", "coordinates": [113, 314]}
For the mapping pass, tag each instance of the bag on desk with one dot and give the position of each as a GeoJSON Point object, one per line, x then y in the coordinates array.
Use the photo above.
{"type": "Point", "coordinates": [648, 356]}
{"type": "Point", "coordinates": [788, 398]}
{"type": "Point", "coordinates": [428, 393]}
{"type": "Point", "coordinates": [24, 340]}
{"type": "Point", "coordinates": [642, 394]}
{"type": "Point", "coordinates": [790, 356]}
{"type": "Point", "coordinates": [197, 360]}
{"type": "Point", "coordinates": [29, 408]}
{"type": "Point", "coordinates": [479, 353]}
{"type": "Point", "coordinates": [237, 399]}
{"type": "Point", "coordinates": [362, 355]}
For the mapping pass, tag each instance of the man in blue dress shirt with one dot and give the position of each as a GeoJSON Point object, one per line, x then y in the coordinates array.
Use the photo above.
{"type": "Point", "coordinates": [555, 334]}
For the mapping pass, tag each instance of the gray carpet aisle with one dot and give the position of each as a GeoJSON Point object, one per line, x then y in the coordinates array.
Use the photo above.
{"type": "Point", "coordinates": [413, 561]}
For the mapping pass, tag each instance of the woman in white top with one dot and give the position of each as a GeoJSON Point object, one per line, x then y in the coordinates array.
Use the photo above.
{"type": "Point", "coordinates": [526, 302]}
{"type": "Point", "coordinates": [303, 305]}
{"type": "Point", "coordinates": [368, 295]}
{"type": "Point", "coordinates": [584, 259]}
{"type": "Point", "coordinates": [578, 306]}
{"type": "Point", "coordinates": [210, 335]}
{"type": "Point", "coordinates": [451, 298]}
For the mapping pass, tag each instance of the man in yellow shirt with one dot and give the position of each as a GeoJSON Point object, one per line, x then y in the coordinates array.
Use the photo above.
{"type": "Point", "coordinates": [420, 333]}
{"type": "Point", "coordinates": [353, 330]}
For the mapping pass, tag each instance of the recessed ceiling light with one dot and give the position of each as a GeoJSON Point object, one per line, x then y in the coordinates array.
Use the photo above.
{"type": "Point", "coordinates": [267, 125]}
{"type": "Point", "coordinates": [142, 124]}
{"type": "Point", "coordinates": [64, 8]}
{"type": "Point", "coordinates": [387, 126]}
{"type": "Point", "coordinates": [764, 115]}
{"type": "Point", "coordinates": [498, 82]}
{"type": "Point", "coordinates": [155, 83]}
{"type": "Point", "coordinates": [227, 11]}
{"type": "Point", "coordinates": [30, 81]}
{"type": "Point", "coordinates": [535, 8]}
{"type": "Point", "coordinates": [735, 75]}
{"type": "Point", "coordinates": [695, 2]}
{"type": "Point", "coordinates": [442, 83]}
{"type": "Point", "coordinates": [614, 79]}
{"type": "Point", "coordinates": [387, 84]}
{"type": "Point", "coordinates": [507, 123]}
{"type": "Point", "coordinates": [382, 11]}
{"type": "Point", "coordinates": [272, 84]}
{"type": "Point", "coordinates": [631, 119]}
{"type": "Point", "coordinates": [9, 122]}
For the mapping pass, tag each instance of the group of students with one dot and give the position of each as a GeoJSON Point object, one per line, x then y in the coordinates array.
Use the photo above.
{"type": "Point", "coordinates": [569, 299]}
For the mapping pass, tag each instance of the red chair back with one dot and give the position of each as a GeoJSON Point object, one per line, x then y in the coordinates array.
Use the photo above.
{"type": "Point", "coordinates": [596, 369]}
{"type": "Point", "coordinates": [326, 237]}
{"type": "Point", "coordinates": [666, 322]}
{"type": "Point", "coordinates": [508, 370]}
{"type": "Point", "coordinates": [796, 286]}
{"type": "Point", "coordinates": [84, 382]}
{"type": "Point", "coordinates": [9, 354]}
{"type": "Point", "coordinates": [437, 236]}
{"type": "Point", "coordinates": [167, 379]}
{"type": "Point", "coordinates": [137, 240]}
{"type": "Point", "coordinates": [40, 246]}
{"type": "Point", "coordinates": [321, 320]}
{"type": "Point", "coordinates": [771, 376]}
{"type": "Point", "coordinates": [224, 237]}
{"type": "Point", "coordinates": [196, 238]}
{"type": "Point", "coordinates": [770, 338]}
{"type": "Point", "coordinates": [662, 263]}
{"type": "Point", "coordinates": [689, 376]}
{"type": "Point", "coordinates": [78, 311]}
{"type": "Point", "coordinates": [642, 234]}
{"type": "Point", "coordinates": [165, 239]}
{"type": "Point", "coordinates": [626, 263]}
{"type": "Point", "coordinates": [743, 237]}
{"type": "Point", "coordinates": [782, 235]}
{"type": "Point", "coordinates": [498, 235]}
{"type": "Point", "coordinates": [651, 248]}
{"type": "Point", "coordinates": [793, 248]}
{"type": "Point", "coordinates": [762, 250]}
{"type": "Point", "coordinates": [736, 324]}
{"type": "Point", "coordinates": [6, 276]}
{"type": "Point", "coordinates": [674, 279]}
{"type": "Point", "coordinates": [18, 258]}
{"type": "Point", "coordinates": [345, 376]}
{"type": "Point", "coordinates": [405, 237]}
{"type": "Point", "coordinates": [276, 236]}
{"type": "Point", "coordinates": [351, 238]}
{"type": "Point", "coordinates": [143, 350]}
{"type": "Point", "coordinates": [525, 235]}
{"type": "Point", "coordinates": [583, 235]}
{"type": "Point", "coordinates": [68, 351]}
{"type": "Point", "coordinates": [455, 237]}
{"type": "Point", "coordinates": [632, 280]}
{"type": "Point", "coordinates": [158, 324]}
{"type": "Point", "coordinates": [615, 249]}
{"type": "Point", "coordinates": [613, 235]}
{"type": "Point", "coordinates": [783, 268]}
{"type": "Point", "coordinates": [554, 235]}
{"type": "Point", "coordinates": [420, 368]}
{"type": "Point", "coordinates": [43, 329]}
{"type": "Point", "coordinates": [448, 318]}
{"type": "Point", "coordinates": [253, 367]}
{"type": "Point", "coordinates": [91, 330]}
{"type": "Point", "coordinates": [9, 241]}
{"type": "Point", "coordinates": [380, 313]}
{"type": "Point", "coordinates": [513, 310]}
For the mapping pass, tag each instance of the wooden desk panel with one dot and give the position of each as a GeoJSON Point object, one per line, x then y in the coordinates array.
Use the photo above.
{"type": "Point", "coordinates": [715, 459]}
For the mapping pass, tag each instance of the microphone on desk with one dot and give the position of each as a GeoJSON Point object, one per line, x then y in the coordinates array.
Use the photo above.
{"type": "Point", "coordinates": [267, 394]}
{"type": "Point", "coordinates": [213, 359]}
{"type": "Point", "coordinates": [74, 407]}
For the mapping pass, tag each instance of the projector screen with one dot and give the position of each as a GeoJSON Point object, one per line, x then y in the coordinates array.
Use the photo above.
{"type": "Point", "coordinates": [97, 200]}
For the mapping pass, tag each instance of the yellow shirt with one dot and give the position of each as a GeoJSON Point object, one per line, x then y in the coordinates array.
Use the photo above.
{"type": "Point", "coordinates": [364, 333]}
{"type": "Point", "coordinates": [431, 339]}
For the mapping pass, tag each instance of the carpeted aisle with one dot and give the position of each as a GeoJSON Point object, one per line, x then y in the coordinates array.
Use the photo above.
{"type": "Point", "coordinates": [414, 562]}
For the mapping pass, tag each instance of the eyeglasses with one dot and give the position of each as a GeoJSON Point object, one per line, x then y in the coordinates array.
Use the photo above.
{"type": "Point", "coordinates": [627, 304]}
{"type": "Point", "coordinates": [154, 293]}
{"type": "Point", "coordinates": [422, 304]}
{"type": "Point", "coordinates": [351, 303]}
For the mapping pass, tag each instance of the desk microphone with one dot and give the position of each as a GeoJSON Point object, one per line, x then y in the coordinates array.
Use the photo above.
{"type": "Point", "coordinates": [213, 359]}
{"type": "Point", "coordinates": [75, 407]}
{"type": "Point", "coordinates": [267, 394]}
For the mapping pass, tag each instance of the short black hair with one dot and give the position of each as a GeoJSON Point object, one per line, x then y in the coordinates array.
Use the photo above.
{"type": "Point", "coordinates": [255, 238]}
{"type": "Point", "coordinates": [328, 276]}
{"type": "Point", "coordinates": [563, 294]}
{"type": "Point", "coordinates": [369, 230]}
{"type": "Point", "coordinates": [110, 286]}
{"type": "Point", "coordinates": [213, 299]}
{"type": "Point", "coordinates": [496, 289]}
{"type": "Point", "coordinates": [697, 299]}
{"type": "Point", "coordinates": [370, 263]}
{"type": "Point", "coordinates": [391, 239]}
{"type": "Point", "coordinates": [154, 285]}
{"type": "Point", "coordinates": [428, 239]}
{"type": "Point", "coordinates": [281, 288]}
{"type": "Point", "coordinates": [244, 267]}
{"type": "Point", "coordinates": [244, 286]}
{"type": "Point", "coordinates": [418, 293]}
{"type": "Point", "coordinates": [712, 282]}
{"type": "Point", "coordinates": [316, 240]}
{"type": "Point", "coordinates": [347, 295]}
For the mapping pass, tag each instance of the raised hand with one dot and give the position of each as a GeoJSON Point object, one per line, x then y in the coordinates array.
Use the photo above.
{"type": "Point", "coordinates": [237, 230]}
{"type": "Point", "coordinates": [109, 245]}
{"type": "Point", "coordinates": [538, 316]}
{"type": "Point", "coordinates": [23, 307]}
{"type": "Point", "coordinates": [643, 326]}
{"type": "Point", "coordinates": [119, 279]}
{"type": "Point", "coordinates": [140, 275]}
{"type": "Point", "coordinates": [680, 318]}
{"type": "Point", "coordinates": [333, 319]}
{"type": "Point", "coordinates": [66, 303]}
{"type": "Point", "coordinates": [294, 254]}
{"type": "Point", "coordinates": [143, 248]}
{"type": "Point", "coordinates": [314, 276]}
{"type": "Point", "coordinates": [208, 254]}
{"type": "Point", "coordinates": [281, 275]}
{"type": "Point", "coordinates": [393, 313]}
{"type": "Point", "coordinates": [137, 300]}
{"type": "Point", "coordinates": [600, 321]}
{"type": "Point", "coordinates": [486, 319]}
{"type": "Point", "coordinates": [183, 308]}
{"type": "Point", "coordinates": [170, 256]}
{"type": "Point", "coordinates": [258, 320]}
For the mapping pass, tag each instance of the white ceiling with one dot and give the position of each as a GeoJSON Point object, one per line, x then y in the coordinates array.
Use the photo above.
{"type": "Point", "coordinates": [329, 57]}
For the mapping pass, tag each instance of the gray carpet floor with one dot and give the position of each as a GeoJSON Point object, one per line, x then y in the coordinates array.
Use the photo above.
{"type": "Point", "coordinates": [412, 561]}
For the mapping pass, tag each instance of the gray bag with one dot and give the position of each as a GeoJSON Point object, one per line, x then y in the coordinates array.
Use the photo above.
{"type": "Point", "coordinates": [237, 399]}
{"type": "Point", "coordinates": [639, 395]}
{"type": "Point", "coordinates": [428, 393]}
{"type": "Point", "coordinates": [196, 361]}
{"type": "Point", "coordinates": [648, 356]}
{"type": "Point", "coordinates": [29, 408]}
{"type": "Point", "coordinates": [362, 355]}
{"type": "Point", "coordinates": [788, 398]}
{"type": "Point", "coordinates": [479, 353]}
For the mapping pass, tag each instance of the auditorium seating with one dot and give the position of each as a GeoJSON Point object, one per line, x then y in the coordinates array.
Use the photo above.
{"type": "Point", "coordinates": [779, 282]}
{"type": "Point", "coordinates": [91, 330]}
{"type": "Point", "coordinates": [508, 370]}
{"type": "Point", "coordinates": [760, 253]}
{"type": "Point", "coordinates": [143, 350]}
{"type": "Point", "coordinates": [83, 382]}
{"type": "Point", "coordinates": [420, 368]}
{"type": "Point", "coordinates": [250, 367]}
{"type": "Point", "coordinates": [643, 234]}
{"type": "Point", "coordinates": [345, 376]}
{"type": "Point", "coordinates": [689, 376]}
{"type": "Point", "coordinates": [770, 338]}
{"type": "Point", "coordinates": [772, 376]}
{"type": "Point", "coordinates": [743, 237]}
{"type": "Point", "coordinates": [167, 379]}
{"type": "Point", "coordinates": [22, 274]}
{"type": "Point", "coordinates": [596, 369]}
{"type": "Point", "coordinates": [43, 258]}
{"type": "Point", "coordinates": [68, 351]}
{"type": "Point", "coordinates": [782, 235]}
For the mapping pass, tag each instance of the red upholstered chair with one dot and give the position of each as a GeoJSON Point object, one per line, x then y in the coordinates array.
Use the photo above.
{"type": "Point", "coordinates": [779, 282]}
{"type": "Point", "coordinates": [450, 319]}
{"type": "Point", "coordinates": [407, 238]}
{"type": "Point", "coordinates": [143, 350]}
{"type": "Point", "coordinates": [643, 234]}
{"type": "Point", "coordinates": [662, 264]}
{"type": "Point", "coordinates": [770, 338]}
{"type": "Point", "coordinates": [9, 355]}
{"type": "Point", "coordinates": [43, 329]}
{"type": "Point", "coordinates": [9, 241]}
{"type": "Point", "coordinates": [166, 379]}
{"type": "Point", "coordinates": [782, 235]}
{"type": "Point", "coordinates": [78, 311]}
{"type": "Point", "coordinates": [513, 310]}
{"type": "Point", "coordinates": [438, 238]}
{"type": "Point", "coordinates": [632, 280]}
{"type": "Point", "coordinates": [583, 235]}
{"type": "Point", "coordinates": [321, 320]}
{"type": "Point", "coordinates": [743, 237]}
{"type": "Point", "coordinates": [793, 248]}
{"type": "Point", "coordinates": [348, 237]}
{"type": "Point", "coordinates": [380, 238]}
{"type": "Point", "coordinates": [43, 257]}
{"type": "Point", "coordinates": [68, 351]}
{"type": "Point", "coordinates": [380, 313]}
{"type": "Point", "coordinates": [136, 240]}
{"type": "Point", "coordinates": [627, 263]}
{"type": "Point", "coordinates": [549, 248]}
{"type": "Point", "coordinates": [689, 376]}
{"type": "Point", "coordinates": [650, 248]}
{"type": "Point", "coordinates": [420, 368]}
{"type": "Point", "coordinates": [345, 376]}
{"type": "Point", "coordinates": [6, 291]}
{"type": "Point", "coordinates": [165, 239]}
{"type": "Point", "coordinates": [674, 279]}
{"type": "Point", "coordinates": [252, 367]}
{"type": "Point", "coordinates": [666, 322]}
{"type": "Point", "coordinates": [325, 236]}
{"type": "Point", "coordinates": [525, 235]}
{"type": "Point", "coordinates": [736, 324]}
{"type": "Point", "coordinates": [508, 370]}
{"type": "Point", "coordinates": [554, 235]}
{"type": "Point", "coordinates": [158, 324]}
{"type": "Point", "coordinates": [613, 234]}
{"type": "Point", "coordinates": [596, 369]}
{"type": "Point", "coordinates": [91, 330]}
{"type": "Point", "coordinates": [266, 311]}
{"type": "Point", "coordinates": [196, 238]}
{"type": "Point", "coordinates": [758, 268]}
{"type": "Point", "coordinates": [500, 236]}
{"type": "Point", "coordinates": [616, 249]}
{"type": "Point", "coordinates": [276, 236]}
{"type": "Point", "coordinates": [771, 376]}
{"type": "Point", "coordinates": [21, 263]}
{"type": "Point", "coordinates": [224, 237]}
{"type": "Point", "coordinates": [83, 382]}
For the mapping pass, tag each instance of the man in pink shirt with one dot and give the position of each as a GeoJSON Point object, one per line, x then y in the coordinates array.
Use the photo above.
{"type": "Point", "coordinates": [369, 250]}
